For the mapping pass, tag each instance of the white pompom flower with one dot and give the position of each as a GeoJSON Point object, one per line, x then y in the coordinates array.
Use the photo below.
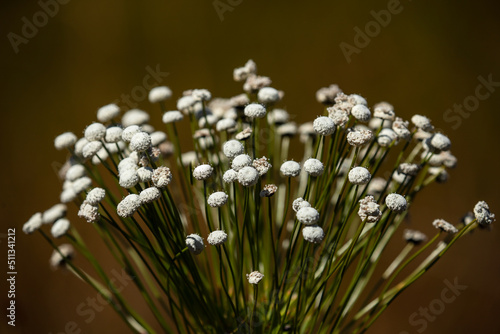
{"type": "Point", "coordinates": [255, 110]}
{"type": "Point", "coordinates": [217, 199]}
{"type": "Point", "coordinates": [65, 140]}
{"type": "Point", "coordinates": [128, 206]}
{"type": "Point", "coordinates": [396, 202]}
{"type": "Point", "coordinates": [60, 228]}
{"type": "Point", "coordinates": [248, 176]}
{"type": "Point", "coordinates": [159, 94]}
{"type": "Point", "coordinates": [195, 244]}
{"type": "Point", "coordinates": [95, 132]}
{"type": "Point", "coordinates": [232, 148]}
{"type": "Point", "coordinates": [313, 233]}
{"type": "Point", "coordinates": [217, 238]}
{"type": "Point", "coordinates": [203, 172]}
{"type": "Point", "coordinates": [108, 112]}
{"type": "Point", "coordinates": [324, 126]}
{"type": "Point", "coordinates": [255, 277]}
{"type": "Point", "coordinates": [290, 168]}
{"type": "Point", "coordinates": [308, 215]}
{"type": "Point", "coordinates": [359, 176]}
{"type": "Point", "coordinates": [240, 161]}
{"type": "Point", "coordinates": [314, 167]}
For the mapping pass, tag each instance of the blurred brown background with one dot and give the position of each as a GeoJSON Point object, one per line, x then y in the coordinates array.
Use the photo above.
{"type": "Point", "coordinates": [425, 60]}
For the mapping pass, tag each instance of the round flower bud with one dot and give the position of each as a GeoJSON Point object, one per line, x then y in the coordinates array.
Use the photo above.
{"type": "Point", "coordinates": [241, 161]}
{"type": "Point", "coordinates": [135, 117]}
{"type": "Point", "coordinates": [339, 116]}
{"type": "Point", "coordinates": [161, 177]}
{"type": "Point", "coordinates": [444, 226]}
{"type": "Point", "coordinates": [324, 126]}
{"type": "Point", "coordinates": [386, 137]}
{"type": "Point", "coordinates": [140, 142]}
{"type": "Point", "coordinates": [440, 142]}
{"type": "Point", "coordinates": [91, 148]}
{"type": "Point", "coordinates": [268, 95]}
{"type": "Point", "coordinates": [65, 140]}
{"type": "Point", "coordinates": [359, 176]}
{"type": "Point", "coordinates": [54, 213]}
{"type": "Point", "coordinates": [269, 190]}
{"type": "Point", "coordinates": [129, 132]}
{"type": "Point", "coordinates": [217, 238]}
{"type": "Point", "coordinates": [128, 206]}
{"type": "Point", "coordinates": [58, 261]}
{"type": "Point", "coordinates": [113, 134]}
{"type": "Point", "coordinates": [203, 172]}
{"type": "Point", "coordinates": [248, 176]}
{"type": "Point", "coordinates": [361, 113]}
{"type": "Point", "coordinates": [128, 178]}
{"type": "Point", "coordinates": [149, 195]}
{"type": "Point", "coordinates": [290, 168]}
{"type": "Point", "coordinates": [172, 116]}
{"type": "Point", "coordinates": [108, 112]}
{"type": "Point", "coordinates": [95, 196]}
{"type": "Point", "coordinates": [159, 94]}
{"type": "Point", "coordinates": [225, 124]}
{"type": "Point", "coordinates": [483, 214]}
{"type": "Point", "coordinates": [262, 165]}
{"type": "Point", "coordinates": [308, 216]}
{"type": "Point", "coordinates": [314, 167]}
{"type": "Point", "coordinates": [422, 122]}
{"type": "Point", "coordinates": [195, 244]}
{"type": "Point", "coordinates": [396, 202]}
{"type": "Point", "coordinates": [33, 223]}
{"type": "Point", "coordinates": [254, 277]}
{"type": "Point", "coordinates": [201, 94]}
{"type": "Point", "coordinates": [232, 148]}
{"type": "Point", "coordinates": [300, 203]}
{"type": "Point", "coordinates": [414, 237]}
{"type": "Point", "coordinates": [217, 199]}
{"type": "Point", "coordinates": [95, 132]}
{"type": "Point", "coordinates": [60, 227]}
{"type": "Point", "coordinates": [230, 176]}
{"type": "Point", "coordinates": [255, 110]}
{"type": "Point", "coordinates": [313, 233]}
{"type": "Point", "coordinates": [158, 137]}
{"type": "Point", "coordinates": [75, 172]}
{"type": "Point", "coordinates": [359, 137]}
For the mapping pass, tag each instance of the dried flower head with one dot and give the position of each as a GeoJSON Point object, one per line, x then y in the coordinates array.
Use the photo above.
{"type": "Point", "coordinates": [244, 135]}
{"type": "Point", "coordinates": [396, 202]}
{"type": "Point", "coordinates": [268, 190]}
{"type": "Point", "coordinates": [313, 233]}
{"type": "Point", "coordinates": [255, 82]}
{"type": "Point", "coordinates": [217, 199]}
{"type": "Point", "coordinates": [359, 137]}
{"type": "Point", "coordinates": [248, 176]}
{"type": "Point", "coordinates": [129, 132]}
{"type": "Point", "coordinates": [159, 94]}
{"type": "Point", "coordinates": [113, 134]}
{"type": "Point", "coordinates": [254, 277]}
{"type": "Point", "coordinates": [308, 215]}
{"type": "Point", "coordinates": [149, 195]}
{"type": "Point", "coordinates": [359, 176]}
{"type": "Point", "coordinates": [324, 126]}
{"type": "Point", "coordinates": [262, 165]}
{"type": "Point", "coordinates": [108, 112]}
{"type": "Point", "coordinates": [313, 167]}
{"type": "Point", "coordinates": [483, 214]}
{"type": "Point", "coordinates": [95, 132]}
{"type": "Point", "coordinates": [217, 238]}
{"type": "Point", "coordinates": [444, 226]}
{"type": "Point", "coordinates": [369, 210]}
{"type": "Point", "coordinates": [89, 212]}
{"type": "Point", "coordinates": [195, 244]}
{"type": "Point", "coordinates": [203, 172]}
{"type": "Point", "coordinates": [161, 177]}
{"type": "Point", "coordinates": [414, 237]}
{"type": "Point", "coordinates": [339, 116]}
{"type": "Point", "coordinates": [400, 127]}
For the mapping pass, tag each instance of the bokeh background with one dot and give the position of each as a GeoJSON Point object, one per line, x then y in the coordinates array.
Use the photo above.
{"type": "Point", "coordinates": [428, 58]}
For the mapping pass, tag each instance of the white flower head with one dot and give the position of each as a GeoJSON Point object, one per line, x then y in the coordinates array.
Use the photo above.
{"type": "Point", "coordinates": [287, 130]}
{"type": "Point", "coordinates": [356, 99]}
{"type": "Point", "coordinates": [159, 94]}
{"type": "Point", "coordinates": [361, 113]}
{"type": "Point", "coordinates": [65, 140]}
{"type": "Point", "coordinates": [268, 190]}
{"type": "Point", "coordinates": [422, 122]}
{"type": "Point", "coordinates": [95, 196]}
{"type": "Point", "coordinates": [396, 202]}
{"type": "Point", "coordinates": [440, 142]}
{"type": "Point", "coordinates": [240, 161]}
{"type": "Point", "coordinates": [483, 214]}
{"type": "Point", "coordinates": [140, 142]}
{"type": "Point", "coordinates": [79, 145]}
{"type": "Point", "coordinates": [203, 172]}
{"type": "Point", "coordinates": [400, 127]}
{"type": "Point", "coordinates": [230, 176]}
{"type": "Point", "coordinates": [128, 178]}
{"type": "Point", "coordinates": [172, 116]}
{"type": "Point", "coordinates": [108, 112]}
{"type": "Point", "coordinates": [255, 110]}
{"type": "Point", "coordinates": [326, 95]}
{"type": "Point", "coordinates": [195, 244]}
{"type": "Point", "coordinates": [444, 226]}
{"type": "Point", "coordinates": [254, 277]}
{"type": "Point", "coordinates": [386, 137]}
{"type": "Point", "coordinates": [158, 137]}
{"type": "Point", "coordinates": [113, 134]}
{"type": "Point", "coordinates": [384, 110]}
{"type": "Point", "coordinates": [95, 132]}
{"type": "Point", "coordinates": [149, 195]}
{"type": "Point", "coordinates": [128, 206]}
{"type": "Point", "coordinates": [262, 165]}
{"type": "Point", "coordinates": [75, 172]}
{"type": "Point", "coordinates": [268, 95]}
{"type": "Point", "coordinates": [89, 212]}
{"type": "Point", "coordinates": [225, 124]}
{"type": "Point", "coordinates": [290, 168]}
{"type": "Point", "coordinates": [91, 148]}
{"type": "Point", "coordinates": [135, 117]}
{"type": "Point", "coordinates": [60, 227]}
{"type": "Point", "coordinates": [359, 176]}
{"type": "Point", "coordinates": [145, 174]}
{"type": "Point", "coordinates": [129, 132]}
{"type": "Point", "coordinates": [308, 215]}
{"type": "Point", "coordinates": [201, 94]}
{"type": "Point", "coordinates": [54, 213]}
{"type": "Point", "coordinates": [278, 116]}
{"type": "Point", "coordinates": [33, 223]}
{"type": "Point", "coordinates": [300, 203]}
{"type": "Point", "coordinates": [414, 237]}
{"type": "Point", "coordinates": [58, 261]}
{"type": "Point", "coordinates": [217, 199]}
{"type": "Point", "coordinates": [313, 233]}
{"type": "Point", "coordinates": [369, 210]}
{"type": "Point", "coordinates": [248, 176]}
{"type": "Point", "coordinates": [161, 177]}
{"type": "Point", "coordinates": [217, 238]}
{"type": "Point", "coordinates": [314, 167]}
{"type": "Point", "coordinates": [324, 126]}
{"type": "Point", "coordinates": [358, 137]}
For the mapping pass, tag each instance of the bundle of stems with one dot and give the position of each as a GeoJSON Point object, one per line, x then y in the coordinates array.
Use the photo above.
{"type": "Point", "coordinates": [234, 236]}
